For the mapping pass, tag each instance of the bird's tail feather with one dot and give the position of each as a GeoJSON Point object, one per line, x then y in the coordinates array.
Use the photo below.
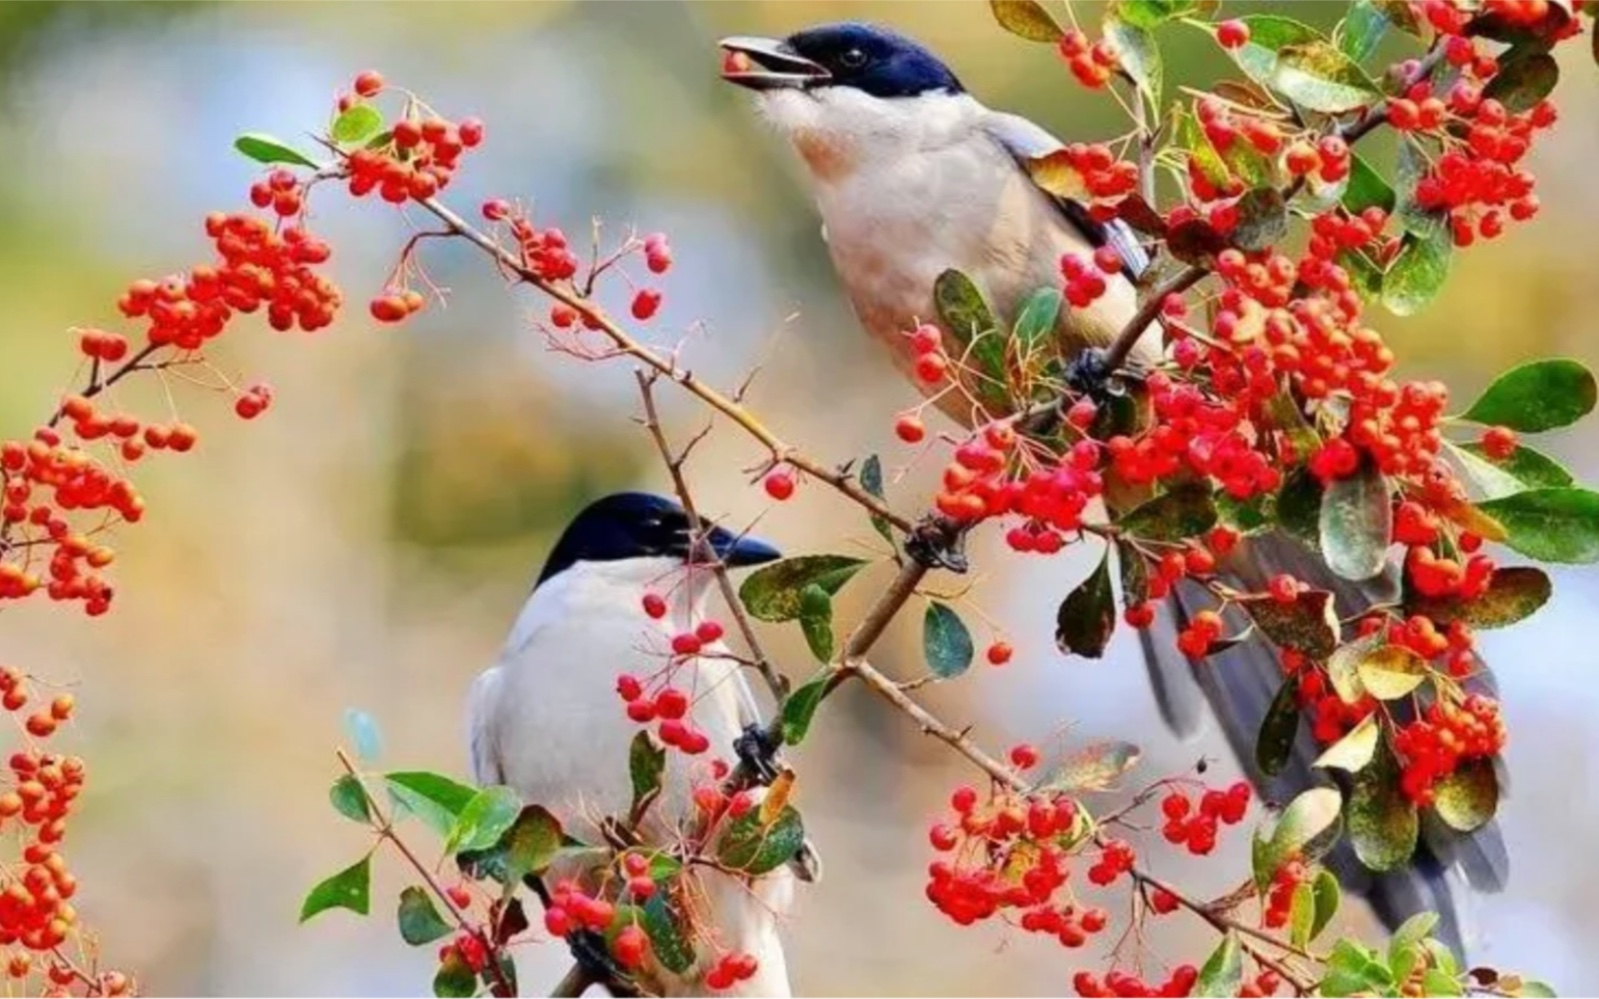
{"type": "Point", "coordinates": [1239, 685]}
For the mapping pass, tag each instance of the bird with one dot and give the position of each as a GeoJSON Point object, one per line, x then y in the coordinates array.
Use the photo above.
{"type": "Point", "coordinates": [546, 719]}
{"type": "Point", "coordinates": [913, 175]}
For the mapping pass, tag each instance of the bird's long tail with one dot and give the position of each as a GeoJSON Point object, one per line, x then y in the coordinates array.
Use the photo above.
{"type": "Point", "coordinates": [1239, 685]}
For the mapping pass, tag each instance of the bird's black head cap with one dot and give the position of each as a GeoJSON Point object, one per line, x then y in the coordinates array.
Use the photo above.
{"type": "Point", "coordinates": [642, 525]}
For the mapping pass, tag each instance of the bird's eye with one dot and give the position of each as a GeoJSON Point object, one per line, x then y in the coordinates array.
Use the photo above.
{"type": "Point", "coordinates": [853, 59]}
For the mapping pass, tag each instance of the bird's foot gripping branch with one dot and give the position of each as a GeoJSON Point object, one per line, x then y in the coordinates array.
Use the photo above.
{"type": "Point", "coordinates": [1262, 418]}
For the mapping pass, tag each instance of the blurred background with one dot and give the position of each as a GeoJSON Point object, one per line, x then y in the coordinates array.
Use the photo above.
{"type": "Point", "coordinates": [367, 543]}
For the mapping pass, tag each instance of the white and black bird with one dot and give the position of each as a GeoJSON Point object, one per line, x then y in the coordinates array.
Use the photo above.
{"type": "Point", "coordinates": [913, 175]}
{"type": "Point", "coordinates": [546, 721]}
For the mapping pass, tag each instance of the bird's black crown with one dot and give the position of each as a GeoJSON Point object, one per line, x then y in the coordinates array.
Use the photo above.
{"type": "Point", "coordinates": [874, 60]}
{"type": "Point", "coordinates": [642, 525]}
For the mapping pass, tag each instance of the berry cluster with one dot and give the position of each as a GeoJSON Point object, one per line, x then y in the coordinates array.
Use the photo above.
{"type": "Point", "coordinates": [1195, 828]}
{"type": "Point", "coordinates": [1092, 63]}
{"type": "Point", "coordinates": [1448, 733]}
{"type": "Point", "coordinates": [415, 159]}
{"type": "Point", "coordinates": [1124, 983]}
{"type": "Point", "coordinates": [1280, 897]}
{"type": "Point", "coordinates": [1010, 853]}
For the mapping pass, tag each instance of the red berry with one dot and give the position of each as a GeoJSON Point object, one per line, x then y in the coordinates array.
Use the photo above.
{"type": "Point", "coordinates": [779, 484]}
{"type": "Point", "coordinates": [557, 922]}
{"type": "Point", "coordinates": [1499, 443]}
{"type": "Point", "coordinates": [671, 703]}
{"type": "Point", "coordinates": [1024, 757]}
{"type": "Point", "coordinates": [369, 83]}
{"type": "Point", "coordinates": [685, 644]}
{"type": "Point", "coordinates": [708, 631]}
{"type": "Point", "coordinates": [655, 605]}
{"type": "Point", "coordinates": [931, 367]}
{"type": "Point", "coordinates": [645, 303]}
{"type": "Point", "coordinates": [471, 132]}
{"type": "Point", "coordinates": [999, 653]}
{"type": "Point", "coordinates": [630, 947]}
{"type": "Point", "coordinates": [1232, 34]}
{"type": "Point", "coordinates": [964, 799]}
{"type": "Point", "coordinates": [496, 209]}
{"type": "Point", "coordinates": [909, 428]}
{"type": "Point", "coordinates": [629, 687]}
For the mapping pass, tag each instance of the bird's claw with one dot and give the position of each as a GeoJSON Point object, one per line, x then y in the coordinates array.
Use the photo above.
{"type": "Point", "coordinates": [757, 750]}
{"type": "Point", "coordinates": [936, 544]}
{"type": "Point", "coordinates": [594, 957]}
{"type": "Point", "coordinates": [1089, 373]}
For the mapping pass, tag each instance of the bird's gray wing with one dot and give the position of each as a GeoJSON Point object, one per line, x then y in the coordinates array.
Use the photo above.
{"type": "Point", "coordinates": [1025, 141]}
{"type": "Point", "coordinates": [480, 703]}
{"type": "Point", "coordinates": [1239, 685]}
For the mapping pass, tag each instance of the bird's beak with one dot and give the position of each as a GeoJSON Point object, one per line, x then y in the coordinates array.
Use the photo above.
{"type": "Point", "coordinates": [768, 64]}
{"type": "Point", "coordinates": [740, 550]}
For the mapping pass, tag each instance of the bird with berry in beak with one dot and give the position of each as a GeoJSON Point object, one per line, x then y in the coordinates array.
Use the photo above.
{"type": "Point", "coordinates": [913, 176]}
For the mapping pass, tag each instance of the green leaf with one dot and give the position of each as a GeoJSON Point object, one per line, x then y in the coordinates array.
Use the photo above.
{"type": "Point", "coordinates": [1328, 894]}
{"type": "Point", "coordinates": [1410, 933]}
{"type": "Point", "coordinates": [1035, 325]}
{"type": "Point", "coordinates": [433, 798]}
{"type": "Point", "coordinates": [1223, 972]}
{"type": "Point", "coordinates": [1436, 983]}
{"type": "Point", "coordinates": [799, 708]}
{"type": "Point", "coordinates": [1355, 523]}
{"type": "Point", "coordinates": [1267, 34]}
{"type": "Point", "coordinates": [1364, 276]}
{"type": "Point", "coordinates": [349, 798]}
{"type": "Point", "coordinates": [646, 765]}
{"type": "Point", "coordinates": [1355, 750]}
{"type": "Point", "coordinates": [1417, 274]}
{"type": "Point", "coordinates": [1249, 516]}
{"type": "Point", "coordinates": [961, 307]}
{"type": "Point", "coordinates": [531, 844]}
{"type": "Point", "coordinates": [946, 643]}
{"type": "Point", "coordinates": [350, 889]}
{"type": "Point", "coordinates": [663, 924]}
{"type": "Point", "coordinates": [1317, 76]}
{"type": "Point", "coordinates": [1138, 53]}
{"type": "Point", "coordinates": [1153, 13]}
{"type": "Point", "coordinates": [816, 621]}
{"type": "Point", "coordinates": [1191, 136]}
{"type": "Point", "coordinates": [1513, 594]}
{"type": "Point", "coordinates": [1309, 623]}
{"type": "Point", "coordinates": [1367, 188]}
{"type": "Point", "coordinates": [455, 978]}
{"type": "Point", "coordinates": [1301, 914]}
{"type": "Point", "coordinates": [1307, 829]}
{"type": "Point", "coordinates": [1537, 396]}
{"type": "Point", "coordinates": [1026, 19]}
{"type": "Point", "coordinates": [1094, 767]}
{"type": "Point", "coordinates": [358, 123]}
{"type": "Point", "coordinates": [1262, 219]}
{"type": "Point", "coordinates": [1526, 468]}
{"type": "Point", "coordinates": [1526, 76]}
{"type": "Point", "coordinates": [267, 149]}
{"type": "Point", "coordinates": [1531, 988]}
{"type": "Point", "coordinates": [1134, 574]}
{"type": "Point", "coordinates": [420, 922]}
{"type": "Point", "coordinates": [1299, 507]}
{"type": "Point", "coordinates": [1182, 512]}
{"type": "Point", "coordinates": [484, 819]}
{"type": "Point", "coordinates": [1275, 743]}
{"type": "Point", "coordinates": [1468, 798]}
{"type": "Point", "coordinates": [1382, 822]}
{"type": "Point", "coordinates": [751, 848]}
{"type": "Point", "coordinates": [1343, 666]}
{"type": "Point", "coordinates": [1391, 672]}
{"type": "Point", "coordinates": [1362, 30]}
{"type": "Point", "coordinates": [772, 593]}
{"type": "Point", "coordinates": [1551, 525]}
{"type": "Point", "coordinates": [1087, 617]}
{"type": "Point", "coordinates": [1355, 970]}
{"type": "Point", "coordinates": [872, 481]}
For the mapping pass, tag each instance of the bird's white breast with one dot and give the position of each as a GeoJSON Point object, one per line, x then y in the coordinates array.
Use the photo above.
{"type": "Point", "coordinates": [557, 726]}
{"type": "Point", "coordinates": [910, 187]}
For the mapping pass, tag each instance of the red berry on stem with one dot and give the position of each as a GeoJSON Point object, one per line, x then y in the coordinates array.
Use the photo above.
{"type": "Point", "coordinates": [779, 484]}
{"type": "Point", "coordinates": [369, 83]}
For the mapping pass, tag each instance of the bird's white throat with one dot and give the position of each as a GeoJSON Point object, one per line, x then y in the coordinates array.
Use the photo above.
{"type": "Point", "coordinates": [839, 130]}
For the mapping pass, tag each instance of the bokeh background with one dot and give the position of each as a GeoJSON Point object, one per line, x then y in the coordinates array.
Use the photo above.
{"type": "Point", "coordinates": [366, 545]}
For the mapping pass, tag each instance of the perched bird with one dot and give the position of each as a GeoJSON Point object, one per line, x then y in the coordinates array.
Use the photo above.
{"type": "Point", "coordinates": [913, 175]}
{"type": "Point", "coordinates": [546, 721]}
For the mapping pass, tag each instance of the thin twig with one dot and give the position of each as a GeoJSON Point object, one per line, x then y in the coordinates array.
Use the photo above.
{"type": "Point", "coordinates": [775, 681]}
{"type": "Point", "coordinates": [782, 452]}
